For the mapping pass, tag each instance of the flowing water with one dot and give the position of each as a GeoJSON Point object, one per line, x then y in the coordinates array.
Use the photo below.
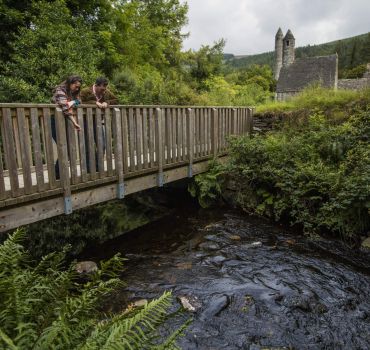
{"type": "Point", "coordinates": [253, 285]}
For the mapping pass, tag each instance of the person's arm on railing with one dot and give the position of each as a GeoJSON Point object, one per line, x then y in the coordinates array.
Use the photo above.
{"type": "Point", "coordinates": [60, 98]}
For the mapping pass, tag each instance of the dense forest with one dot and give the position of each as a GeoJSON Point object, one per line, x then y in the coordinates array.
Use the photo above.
{"type": "Point", "coordinates": [352, 53]}
{"type": "Point", "coordinates": [136, 44]}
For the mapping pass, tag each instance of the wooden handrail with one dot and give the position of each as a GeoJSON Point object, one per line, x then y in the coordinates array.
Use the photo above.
{"type": "Point", "coordinates": [117, 142]}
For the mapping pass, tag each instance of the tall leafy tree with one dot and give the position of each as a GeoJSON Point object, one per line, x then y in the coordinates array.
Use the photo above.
{"type": "Point", "coordinates": [54, 46]}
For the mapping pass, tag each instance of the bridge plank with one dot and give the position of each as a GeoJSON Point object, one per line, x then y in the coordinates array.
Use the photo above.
{"type": "Point", "coordinates": [174, 136]}
{"type": "Point", "coordinates": [191, 135]}
{"type": "Point", "coordinates": [183, 130]}
{"type": "Point", "coordinates": [25, 144]}
{"type": "Point", "coordinates": [151, 137]}
{"type": "Point", "coordinates": [82, 144]}
{"type": "Point", "coordinates": [117, 136]}
{"type": "Point", "coordinates": [179, 134]}
{"type": "Point", "coordinates": [168, 135]}
{"type": "Point", "coordinates": [160, 139]}
{"type": "Point", "coordinates": [49, 151]}
{"type": "Point", "coordinates": [145, 138]}
{"type": "Point", "coordinates": [91, 144]}
{"type": "Point", "coordinates": [2, 183]}
{"type": "Point", "coordinates": [131, 138]}
{"type": "Point", "coordinates": [9, 151]}
{"type": "Point", "coordinates": [99, 141]}
{"type": "Point", "coordinates": [60, 121]}
{"type": "Point", "coordinates": [125, 141]}
{"type": "Point", "coordinates": [108, 140]}
{"type": "Point", "coordinates": [72, 151]}
{"type": "Point", "coordinates": [36, 142]}
{"type": "Point", "coordinates": [139, 138]}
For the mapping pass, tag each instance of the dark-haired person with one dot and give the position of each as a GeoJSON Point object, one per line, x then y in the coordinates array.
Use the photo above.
{"type": "Point", "coordinates": [67, 96]}
{"type": "Point", "coordinates": [99, 95]}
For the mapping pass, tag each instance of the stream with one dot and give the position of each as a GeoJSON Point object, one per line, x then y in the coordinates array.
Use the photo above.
{"type": "Point", "coordinates": [251, 284]}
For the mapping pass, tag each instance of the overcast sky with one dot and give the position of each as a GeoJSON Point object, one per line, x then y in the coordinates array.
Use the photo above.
{"type": "Point", "coordinates": [249, 26]}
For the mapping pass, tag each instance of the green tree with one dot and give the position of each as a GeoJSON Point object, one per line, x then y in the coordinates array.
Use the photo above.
{"type": "Point", "coordinates": [207, 61]}
{"type": "Point", "coordinates": [54, 46]}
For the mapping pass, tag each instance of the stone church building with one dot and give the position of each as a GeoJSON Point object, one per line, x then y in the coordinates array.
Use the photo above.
{"type": "Point", "coordinates": [293, 75]}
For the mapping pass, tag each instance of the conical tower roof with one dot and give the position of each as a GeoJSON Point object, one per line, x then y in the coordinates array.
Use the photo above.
{"type": "Point", "coordinates": [279, 33]}
{"type": "Point", "coordinates": [289, 35]}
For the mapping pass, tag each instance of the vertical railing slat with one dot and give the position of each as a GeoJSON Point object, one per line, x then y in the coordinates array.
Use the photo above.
{"type": "Point", "coordinates": [118, 159]}
{"type": "Point", "coordinates": [214, 117]}
{"type": "Point", "coordinates": [36, 142]}
{"type": "Point", "coordinates": [25, 144]}
{"type": "Point", "coordinates": [99, 142]}
{"type": "Point", "coordinates": [125, 141]}
{"type": "Point", "coordinates": [151, 137]}
{"type": "Point", "coordinates": [184, 138]}
{"type": "Point", "coordinates": [139, 138]}
{"type": "Point", "coordinates": [16, 141]}
{"type": "Point", "coordinates": [49, 147]}
{"type": "Point", "coordinates": [60, 121]}
{"type": "Point", "coordinates": [108, 140]}
{"type": "Point", "coordinates": [9, 150]}
{"type": "Point", "coordinates": [179, 134]}
{"type": "Point", "coordinates": [132, 138]}
{"type": "Point", "coordinates": [2, 179]}
{"type": "Point", "coordinates": [191, 137]}
{"type": "Point", "coordinates": [168, 134]}
{"type": "Point", "coordinates": [82, 144]}
{"type": "Point", "coordinates": [72, 151]}
{"type": "Point", "coordinates": [91, 144]}
{"type": "Point", "coordinates": [145, 137]}
{"type": "Point", "coordinates": [159, 144]}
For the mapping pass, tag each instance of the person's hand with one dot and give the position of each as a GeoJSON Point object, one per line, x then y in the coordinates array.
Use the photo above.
{"type": "Point", "coordinates": [77, 126]}
{"type": "Point", "coordinates": [102, 105]}
{"type": "Point", "coordinates": [76, 103]}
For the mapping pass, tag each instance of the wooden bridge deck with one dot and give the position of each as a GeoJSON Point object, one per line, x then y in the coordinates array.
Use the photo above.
{"type": "Point", "coordinates": [121, 150]}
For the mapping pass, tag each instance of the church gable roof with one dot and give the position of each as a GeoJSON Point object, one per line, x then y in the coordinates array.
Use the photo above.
{"type": "Point", "coordinates": [305, 71]}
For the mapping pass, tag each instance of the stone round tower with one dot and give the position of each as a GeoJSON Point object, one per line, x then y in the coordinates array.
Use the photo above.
{"type": "Point", "coordinates": [288, 48]}
{"type": "Point", "coordinates": [278, 53]}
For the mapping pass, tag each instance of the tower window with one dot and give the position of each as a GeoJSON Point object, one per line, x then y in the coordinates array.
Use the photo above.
{"type": "Point", "coordinates": [287, 43]}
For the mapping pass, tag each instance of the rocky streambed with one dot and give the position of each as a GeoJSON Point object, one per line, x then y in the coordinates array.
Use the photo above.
{"type": "Point", "coordinates": [247, 283]}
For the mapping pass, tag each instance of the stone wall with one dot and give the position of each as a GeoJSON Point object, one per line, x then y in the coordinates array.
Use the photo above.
{"type": "Point", "coordinates": [353, 84]}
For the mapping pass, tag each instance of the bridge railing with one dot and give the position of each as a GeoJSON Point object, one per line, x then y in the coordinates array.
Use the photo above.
{"type": "Point", "coordinates": [118, 142]}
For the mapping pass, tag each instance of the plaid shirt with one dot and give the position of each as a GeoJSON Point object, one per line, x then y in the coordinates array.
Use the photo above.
{"type": "Point", "coordinates": [62, 98]}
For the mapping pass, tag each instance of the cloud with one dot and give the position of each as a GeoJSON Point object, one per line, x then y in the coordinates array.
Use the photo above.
{"type": "Point", "coordinates": [249, 26]}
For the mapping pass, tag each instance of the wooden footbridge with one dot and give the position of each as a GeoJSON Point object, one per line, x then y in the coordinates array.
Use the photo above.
{"type": "Point", "coordinates": [118, 151]}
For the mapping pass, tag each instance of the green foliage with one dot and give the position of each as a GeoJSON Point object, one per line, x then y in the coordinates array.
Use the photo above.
{"type": "Point", "coordinates": [207, 187]}
{"type": "Point", "coordinates": [317, 175]}
{"type": "Point", "coordinates": [314, 99]}
{"type": "Point", "coordinates": [42, 307]}
{"type": "Point", "coordinates": [53, 47]}
{"type": "Point", "coordinates": [354, 73]}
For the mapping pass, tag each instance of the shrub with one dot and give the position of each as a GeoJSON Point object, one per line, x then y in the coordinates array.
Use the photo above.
{"type": "Point", "coordinates": [42, 307]}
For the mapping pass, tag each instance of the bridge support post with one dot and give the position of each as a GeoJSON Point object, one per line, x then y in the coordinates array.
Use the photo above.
{"type": "Point", "coordinates": [117, 134]}
{"type": "Point", "coordinates": [190, 138]}
{"type": "Point", "coordinates": [63, 159]}
{"type": "Point", "coordinates": [159, 144]}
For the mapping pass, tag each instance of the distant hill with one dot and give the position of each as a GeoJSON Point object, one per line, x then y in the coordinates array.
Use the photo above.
{"type": "Point", "coordinates": [351, 53]}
